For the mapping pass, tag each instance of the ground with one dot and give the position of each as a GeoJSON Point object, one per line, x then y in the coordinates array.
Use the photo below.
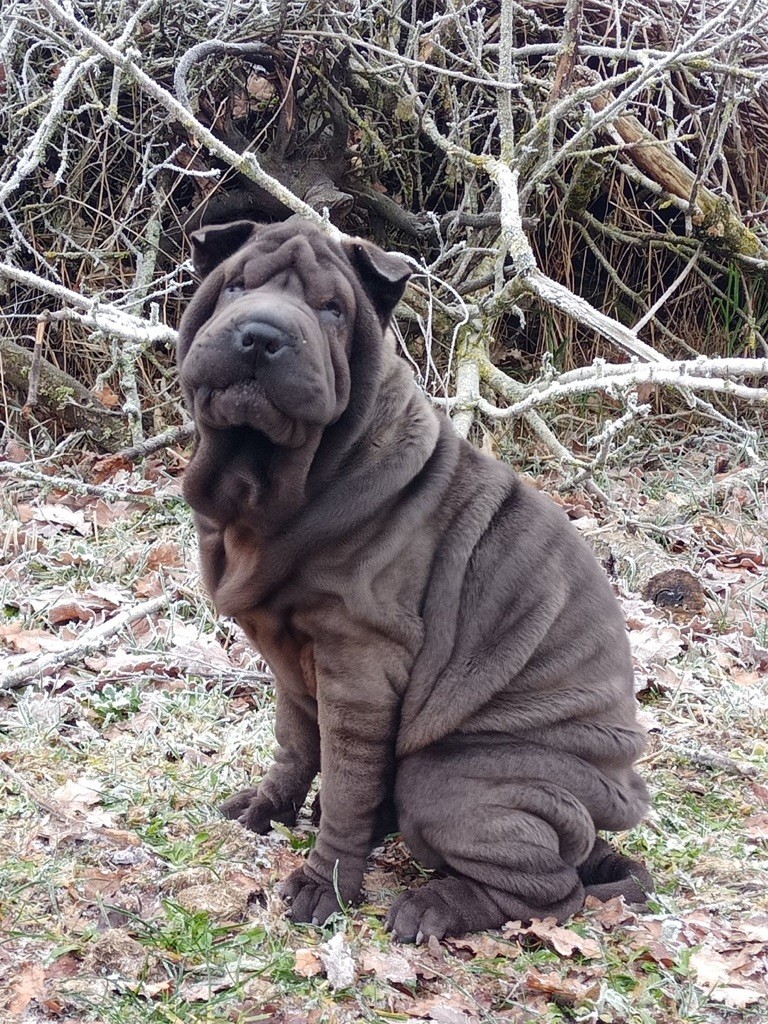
{"type": "Point", "coordinates": [125, 897]}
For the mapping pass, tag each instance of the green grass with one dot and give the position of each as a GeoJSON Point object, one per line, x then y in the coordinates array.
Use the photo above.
{"type": "Point", "coordinates": [169, 740]}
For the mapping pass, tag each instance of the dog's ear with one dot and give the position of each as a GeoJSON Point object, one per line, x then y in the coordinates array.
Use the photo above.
{"type": "Point", "coordinates": [382, 275]}
{"type": "Point", "coordinates": [213, 244]}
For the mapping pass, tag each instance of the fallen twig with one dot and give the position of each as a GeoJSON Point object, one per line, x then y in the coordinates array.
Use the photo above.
{"type": "Point", "coordinates": [102, 316]}
{"type": "Point", "coordinates": [676, 375]}
{"type": "Point", "coordinates": [176, 435]}
{"type": "Point", "coordinates": [70, 484]}
{"type": "Point", "coordinates": [23, 667]}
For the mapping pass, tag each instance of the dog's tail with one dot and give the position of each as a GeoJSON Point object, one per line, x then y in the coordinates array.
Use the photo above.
{"type": "Point", "coordinates": [606, 873]}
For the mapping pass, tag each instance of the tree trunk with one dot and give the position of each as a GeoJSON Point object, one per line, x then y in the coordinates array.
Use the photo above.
{"type": "Point", "coordinates": [64, 398]}
{"type": "Point", "coordinates": [714, 215]}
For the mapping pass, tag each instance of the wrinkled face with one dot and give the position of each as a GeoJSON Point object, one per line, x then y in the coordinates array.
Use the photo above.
{"type": "Point", "coordinates": [271, 349]}
{"type": "Point", "coordinates": [283, 339]}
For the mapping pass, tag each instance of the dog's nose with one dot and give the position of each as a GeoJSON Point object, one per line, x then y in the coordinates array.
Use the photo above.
{"type": "Point", "coordinates": [257, 336]}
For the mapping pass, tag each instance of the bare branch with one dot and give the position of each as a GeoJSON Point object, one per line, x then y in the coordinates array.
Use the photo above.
{"type": "Point", "coordinates": [246, 163]}
{"type": "Point", "coordinates": [102, 316]}
{"type": "Point", "coordinates": [19, 669]}
{"type": "Point", "coordinates": [682, 375]}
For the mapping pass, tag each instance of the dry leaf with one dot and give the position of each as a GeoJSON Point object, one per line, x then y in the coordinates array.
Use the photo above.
{"type": "Point", "coordinates": [25, 513]}
{"type": "Point", "coordinates": [143, 723]}
{"type": "Point", "coordinates": [28, 985]}
{"type": "Point", "coordinates": [260, 88]}
{"type": "Point", "coordinates": [754, 654]}
{"type": "Point", "coordinates": [111, 597]}
{"type": "Point", "coordinates": [161, 555]}
{"type": "Point", "coordinates": [569, 989]}
{"type": "Point", "coordinates": [649, 721]}
{"type": "Point", "coordinates": [563, 940]}
{"type": "Point", "coordinates": [78, 608]}
{"type": "Point", "coordinates": [13, 452]}
{"type": "Point", "coordinates": [709, 967]}
{"type": "Point", "coordinates": [485, 946]}
{"type": "Point", "coordinates": [25, 641]}
{"type": "Point", "coordinates": [755, 929]}
{"type": "Point", "coordinates": [738, 997]}
{"type": "Point", "coordinates": [337, 960]}
{"type": "Point", "coordinates": [105, 514]}
{"type": "Point", "coordinates": [70, 611]}
{"type": "Point", "coordinates": [389, 967]}
{"type": "Point", "coordinates": [60, 515]}
{"type": "Point", "coordinates": [757, 826]}
{"type": "Point", "coordinates": [107, 397]}
{"type": "Point", "coordinates": [745, 678]}
{"type": "Point", "coordinates": [698, 925]}
{"type": "Point", "coordinates": [489, 445]}
{"type": "Point", "coordinates": [657, 644]}
{"type": "Point", "coordinates": [203, 991]}
{"type": "Point", "coordinates": [443, 1014]}
{"type": "Point", "coordinates": [97, 884]}
{"type": "Point", "coordinates": [609, 914]}
{"type": "Point", "coordinates": [157, 988]}
{"type": "Point", "coordinates": [308, 963]}
{"type": "Point", "coordinates": [653, 940]}
{"type": "Point", "coordinates": [445, 1007]}
{"type": "Point", "coordinates": [148, 586]}
{"type": "Point", "coordinates": [106, 467]}
{"type": "Point", "coordinates": [79, 794]}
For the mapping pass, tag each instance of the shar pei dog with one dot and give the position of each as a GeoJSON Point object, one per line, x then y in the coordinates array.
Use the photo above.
{"type": "Point", "coordinates": [447, 652]}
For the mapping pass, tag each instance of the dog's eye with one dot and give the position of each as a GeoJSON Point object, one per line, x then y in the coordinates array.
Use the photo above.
{"type": "Point", "coordinates": [234, 288]}
{"type": "Point", "coordinates": [332, 306]}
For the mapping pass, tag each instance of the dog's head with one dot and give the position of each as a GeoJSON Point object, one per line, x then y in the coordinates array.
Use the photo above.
{"type": "Point", "coordinates": [271, 339]}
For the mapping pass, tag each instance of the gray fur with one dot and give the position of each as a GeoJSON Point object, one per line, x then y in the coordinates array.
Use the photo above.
{"type": "Point", "coordinates": [446, 649]}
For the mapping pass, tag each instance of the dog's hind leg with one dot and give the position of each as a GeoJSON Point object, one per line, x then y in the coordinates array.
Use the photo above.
{"type": "Point", "coordinates": [457, 903]}
{"type": "Point", "coordinates": [498, 821]}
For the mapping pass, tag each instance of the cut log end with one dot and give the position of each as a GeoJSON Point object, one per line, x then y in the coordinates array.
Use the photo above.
{"type": "Point", "coordinates": [677, 589]}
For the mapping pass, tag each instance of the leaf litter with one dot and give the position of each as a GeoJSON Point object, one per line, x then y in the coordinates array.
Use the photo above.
{"type": "Point", "coordinates": [120, 882]}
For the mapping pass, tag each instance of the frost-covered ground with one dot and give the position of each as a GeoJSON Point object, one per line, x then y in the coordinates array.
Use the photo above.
{"type": "Point", "coordinates": [125, 897]}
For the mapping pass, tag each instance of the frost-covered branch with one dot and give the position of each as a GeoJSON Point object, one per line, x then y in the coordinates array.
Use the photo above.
{"type": "Point", "coordinates": [245, 163]}
{"type": "Point", "coordinates": [23, 667]}
{"type": "Point", "coordinates": [96, 314]}
{"type": "Point", "coordinates": [686, 376]}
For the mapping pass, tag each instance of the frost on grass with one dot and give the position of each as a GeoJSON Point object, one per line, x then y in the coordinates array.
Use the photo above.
{"type": "Point", "coordinates": [124, 892]}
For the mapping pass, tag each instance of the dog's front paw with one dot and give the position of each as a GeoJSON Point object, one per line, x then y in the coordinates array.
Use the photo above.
{"type": "Point", "coordinates": [254, 811]}
{"type": "Point", "coordinates": [309, 900]}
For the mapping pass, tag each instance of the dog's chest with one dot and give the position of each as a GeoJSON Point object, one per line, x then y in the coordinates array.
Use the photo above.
{"type": "Point", "coordinates": [289, 651]}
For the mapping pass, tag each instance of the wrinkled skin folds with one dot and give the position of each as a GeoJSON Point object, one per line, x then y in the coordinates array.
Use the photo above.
{"type": "Point", "coordinates": [447, 652]}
